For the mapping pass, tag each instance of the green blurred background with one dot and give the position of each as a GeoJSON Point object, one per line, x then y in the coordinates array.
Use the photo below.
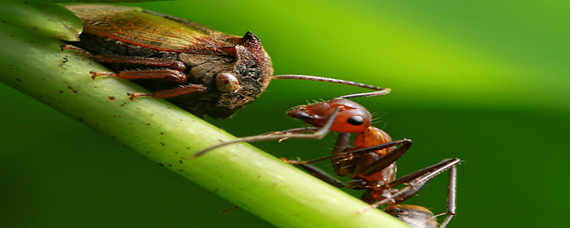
{"type": "Point", "coordinates": [485, 81]}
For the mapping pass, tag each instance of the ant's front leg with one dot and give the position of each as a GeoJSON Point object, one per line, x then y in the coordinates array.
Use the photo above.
{"type": "Point", "coordinates": [387, 160]}
{"type": "Point", "coordinates": [318, 134]}
{"type": "Point", "coordinates": [384, 162]}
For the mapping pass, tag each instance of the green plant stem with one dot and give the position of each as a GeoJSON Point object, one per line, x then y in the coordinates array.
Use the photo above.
{"type": "Point", "coordinates": [253, 180]}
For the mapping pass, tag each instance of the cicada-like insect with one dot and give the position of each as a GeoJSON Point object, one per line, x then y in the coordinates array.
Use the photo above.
{"type": "Point", "coordinates": [203, 71]}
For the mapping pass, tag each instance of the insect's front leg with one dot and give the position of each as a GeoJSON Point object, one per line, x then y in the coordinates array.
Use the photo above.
{"type": "Point", "coordinates": [390, 158]}
{"type": "Point", "coordinates": [175, 73]}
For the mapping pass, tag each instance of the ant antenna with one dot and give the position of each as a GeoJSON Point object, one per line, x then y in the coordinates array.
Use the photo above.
{"type": "Point", "coordinates": [379, 91]}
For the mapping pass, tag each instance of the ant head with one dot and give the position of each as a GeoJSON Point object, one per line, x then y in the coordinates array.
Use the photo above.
{"type": "Point", "coordinates": [351, 118]}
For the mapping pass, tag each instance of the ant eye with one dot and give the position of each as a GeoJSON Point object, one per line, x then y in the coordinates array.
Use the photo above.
{"type": "Point", "coordinates": [355, 120]}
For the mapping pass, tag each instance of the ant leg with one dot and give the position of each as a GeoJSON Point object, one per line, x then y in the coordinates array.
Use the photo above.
{"type": "Point", "coordinates": [322, 175]}
{"type": "Point", "coordinates": [426, 173]}
{"type": "Point", "coordinates": [316, 135]}
{"type": "Point", "coordinates": [340, 147]}
{"type": "Point", "coordinates": [389, 159]}
{"type": "Point", "coordinates": [450, 197]}
{"type": "Point", "coordinates": [419, 179]}
{"type": "Point", "coordinates": [293, 131]}
{"type": "Point", "coordinates": [342, 166]}
{"type": "Point", "coordinates": [342, 156]}
{"type": "Point", "coordinates": [378, 90]}
{"type": "Point", "coordinates": [392, 156]}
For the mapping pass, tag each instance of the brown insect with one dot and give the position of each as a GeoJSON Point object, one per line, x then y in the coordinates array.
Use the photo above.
{"type": "Point", "coordinates": [201, 70]}
{"type": "Point", "coordinates": [370, 163]}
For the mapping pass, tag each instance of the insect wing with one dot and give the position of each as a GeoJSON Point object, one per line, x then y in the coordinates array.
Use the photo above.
{"type": "Point", "coordinates": [151, 30]}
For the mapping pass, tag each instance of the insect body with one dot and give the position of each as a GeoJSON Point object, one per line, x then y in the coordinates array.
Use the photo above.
{"type": "Point", "coordinates": [201, 70]}
{"type": "Point", "coordinates": [370, 163]}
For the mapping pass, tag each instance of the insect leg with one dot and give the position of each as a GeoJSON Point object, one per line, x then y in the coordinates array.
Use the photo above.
{"type": "Point", "coordinates": [363, 150]}
{"type": "Point", "coordinates": [186, 89]}
{"type": "Point", "coordinates": [77, 49]}
{"type": "Point", "coordinates": [387, 160]}
{"type": "Point", "coordinates": [322, 175]}
{"type": "Point", "coordinates": [177, 65]}
{"type": "Point", "coordinates": [420, 178]}
{"type": "Point", "coordinates": [316, 135]}
{"type": "Point", "coordinates": [450, 197]}
{"type": "Point", "coordinates": [342, 166]}
{"type": "Point", "coordinates": [173, 75]}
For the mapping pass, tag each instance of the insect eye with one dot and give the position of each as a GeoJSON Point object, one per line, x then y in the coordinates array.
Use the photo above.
{"type": "Point", "coordinates": [355, 120]}
{"type": "Point", "coordinates": [226, 82]}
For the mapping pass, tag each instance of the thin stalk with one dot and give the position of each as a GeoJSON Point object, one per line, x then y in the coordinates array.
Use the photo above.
{"type": "Point", "coordinates": [253, 180]}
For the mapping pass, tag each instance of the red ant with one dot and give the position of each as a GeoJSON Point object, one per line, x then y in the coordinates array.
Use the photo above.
{"type": "Point", "coordinates": [371, 163]}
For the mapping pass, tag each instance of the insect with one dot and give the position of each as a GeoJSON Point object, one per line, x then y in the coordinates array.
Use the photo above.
{"type": "Point", "coordinates": [203, 71]}
{"type": "Point", "coordinates": [370, 163]}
